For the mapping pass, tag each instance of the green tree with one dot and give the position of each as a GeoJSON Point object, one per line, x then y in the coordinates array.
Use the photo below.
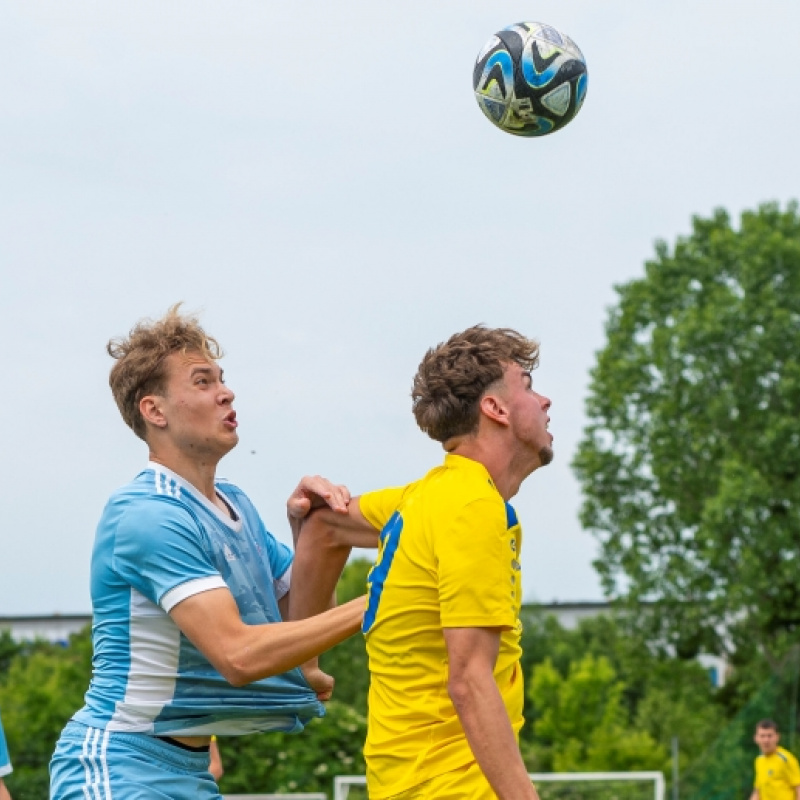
{"type": "Point", "coordinates": [308, 762]}
{"type": "Point", "coordinates": [689, 463]}
{"type": "Point", "coordinates": [582, 722]}
{"type": "Point", "coordinates": [42, 688]}
{"type": "Point", "coordinates": [654, 694]}
{"type": "Point", "coordinates": [8, 650]}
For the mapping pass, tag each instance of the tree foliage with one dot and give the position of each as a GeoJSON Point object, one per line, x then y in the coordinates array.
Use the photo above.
{"type": "Point", "coordinates": [582, 720]}
{"type": "Point", "coordinates": [599, 698]}
{"type": "Point", "coordinates": [42, 687]}
{"type": "Point", "coordinates": [308, 762]}
{"type": "Point", "coordinates": [690, 463]}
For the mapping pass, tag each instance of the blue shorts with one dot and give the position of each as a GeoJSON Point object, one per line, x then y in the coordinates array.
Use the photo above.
{"type": "Point", "coordinates": [93, 764]}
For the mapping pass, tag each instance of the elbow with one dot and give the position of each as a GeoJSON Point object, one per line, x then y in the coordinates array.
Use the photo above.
{"type": "Point", "coordinates": [242, 665]}
{"type": "Point", "coordinates": [236, 675]}
{"type": "Point", "coordinates": [468, 685]}
{"type": "Point", "coordinates": [238, 680]}
{"type": "Point", "coordinates": [460, 690]}
{"type": "Point", "coordinates": [238, 670]}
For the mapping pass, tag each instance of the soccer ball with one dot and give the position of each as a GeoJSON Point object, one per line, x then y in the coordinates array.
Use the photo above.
{"type": "Point", "coordinates": [529, 79]}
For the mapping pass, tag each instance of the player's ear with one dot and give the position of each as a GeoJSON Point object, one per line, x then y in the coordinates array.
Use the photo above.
{"type": "Point", "coordinates": [151, 409]}
{"type": "Point", "coordinates": [492, 406]}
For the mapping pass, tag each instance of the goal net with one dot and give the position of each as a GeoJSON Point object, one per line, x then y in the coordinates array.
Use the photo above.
{"type": "Point", "coordinates": [553, 786]}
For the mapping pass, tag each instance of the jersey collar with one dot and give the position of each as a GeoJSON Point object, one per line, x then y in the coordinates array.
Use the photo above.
{"type": "Point", "coordinates": [234, 525]}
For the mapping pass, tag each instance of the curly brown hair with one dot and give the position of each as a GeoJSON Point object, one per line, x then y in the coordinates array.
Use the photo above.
{"type": "Point", "coordinates": [140, 367]}
{"type": "Point", "coordinates": [454, 375]}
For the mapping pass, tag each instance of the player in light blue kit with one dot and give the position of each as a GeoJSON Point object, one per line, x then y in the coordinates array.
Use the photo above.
{"type": "Point", "coordinates": [189, 591]}
{"type": "Point", "coordinates": [5, 765]}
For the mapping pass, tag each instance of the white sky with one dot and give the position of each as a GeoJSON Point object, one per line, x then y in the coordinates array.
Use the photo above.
{"type": "Point", "coordinates": [317, 179]}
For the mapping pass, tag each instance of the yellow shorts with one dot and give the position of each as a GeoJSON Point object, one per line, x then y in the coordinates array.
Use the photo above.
{"type": "Point", "coordinates": [464, 783]}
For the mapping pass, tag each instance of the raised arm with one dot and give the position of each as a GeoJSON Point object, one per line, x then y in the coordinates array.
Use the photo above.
{"type": "Point", "coordinates": [322, 547]}
{"type": "Point", "coordinates": [325, 524]}
{"type": "Point", "coordinates": [472, 653]}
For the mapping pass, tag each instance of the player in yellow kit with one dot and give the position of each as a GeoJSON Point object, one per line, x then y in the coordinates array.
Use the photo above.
{"type": "Point", "coordinates": [442, 622]}
{"type": "Point", "coordinates": [777, 770]}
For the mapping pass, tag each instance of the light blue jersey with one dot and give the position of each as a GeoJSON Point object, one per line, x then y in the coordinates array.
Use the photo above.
{"type": "Point", "coordinates": [159, 542]}
{"type": "Point", "coordinates": [5, 761]}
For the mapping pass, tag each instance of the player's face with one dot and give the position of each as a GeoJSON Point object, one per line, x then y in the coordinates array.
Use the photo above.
{"type": "Point", "coordinates": [198, 407]}
{"type": "Point", "coordinates": [767, 740]}
{"type": "Point", "coordinates": [528, 414]}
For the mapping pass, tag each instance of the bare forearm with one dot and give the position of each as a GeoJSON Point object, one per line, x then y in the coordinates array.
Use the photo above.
{"type": "Point", "coordinates": [294, 525]}
{"type": "Point", "coordinates": [245, 653]}
{"type": "Point", "coordinates": [319, 559]}
{"type": "Point", "coordinates": [286, 645]}
{"type": "Point", "coordinates": [485, 721]}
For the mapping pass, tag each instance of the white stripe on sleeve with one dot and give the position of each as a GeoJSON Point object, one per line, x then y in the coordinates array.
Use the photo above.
{"type": "Point", "coordinates": [283, 584]}
{"type": "Point", "coordinates": [190, 588]}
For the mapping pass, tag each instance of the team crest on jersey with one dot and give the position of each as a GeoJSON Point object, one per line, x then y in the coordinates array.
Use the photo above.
{"type": "Point", "coordinates": [228, 553]}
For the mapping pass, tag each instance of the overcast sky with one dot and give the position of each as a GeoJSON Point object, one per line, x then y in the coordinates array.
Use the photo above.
{"type": "Point", "coordinates": [317, 179]}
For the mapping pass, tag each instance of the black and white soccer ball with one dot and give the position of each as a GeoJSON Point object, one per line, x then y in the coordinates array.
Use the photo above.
{"type": "Point", "coordinates": [530, 79]}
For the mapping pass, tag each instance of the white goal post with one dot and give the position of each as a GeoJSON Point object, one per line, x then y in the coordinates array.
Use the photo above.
{"type": "Point", "coordinates": [342, 783]}
{"type": "Point", "coordinates": [307, 796]}
{"type": "Point", "coordinates": [659, 785]}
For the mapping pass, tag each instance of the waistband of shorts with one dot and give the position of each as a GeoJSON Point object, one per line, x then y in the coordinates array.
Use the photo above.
{"type": "Point", "coordinates": [95, 739]}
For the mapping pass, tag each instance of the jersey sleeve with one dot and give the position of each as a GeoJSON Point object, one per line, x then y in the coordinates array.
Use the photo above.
{"type": "Point", "coordinates": [280, 558]}
{"type": "Point", "coordinates": [476, 575]}
{"type": "Point", "coordinates": [158, 549]}
{"type": "Point", "coordinates": [378, 507]}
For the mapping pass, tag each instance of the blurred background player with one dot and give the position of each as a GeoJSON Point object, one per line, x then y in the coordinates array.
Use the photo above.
{"type": "Point", "coordinates": [442, 623]}
{"type": "Point", "coordinates": [189, 591]}
{"type": "Point", "coordinates": [5, 765]}
{"type": "Point", "coordinates": [777, 771]}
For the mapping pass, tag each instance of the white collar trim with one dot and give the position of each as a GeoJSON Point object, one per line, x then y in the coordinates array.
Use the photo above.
{"type": "Point", "coordinates": [162, 487]}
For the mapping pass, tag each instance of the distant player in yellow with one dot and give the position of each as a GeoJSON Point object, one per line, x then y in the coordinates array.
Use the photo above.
{"type": "Point", "coordinates": [777, 771]}
{"type": "Point", "coordinates": [442, 622]}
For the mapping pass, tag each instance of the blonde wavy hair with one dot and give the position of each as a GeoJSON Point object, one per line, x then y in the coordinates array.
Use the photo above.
{"type": "Point", "coordinates": [140, 367]}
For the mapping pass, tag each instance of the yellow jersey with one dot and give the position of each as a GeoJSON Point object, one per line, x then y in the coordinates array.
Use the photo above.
{"type": "Point", "coordinates": [777, 775]}
{"type": "Point", "coordinates": [448, 558]}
